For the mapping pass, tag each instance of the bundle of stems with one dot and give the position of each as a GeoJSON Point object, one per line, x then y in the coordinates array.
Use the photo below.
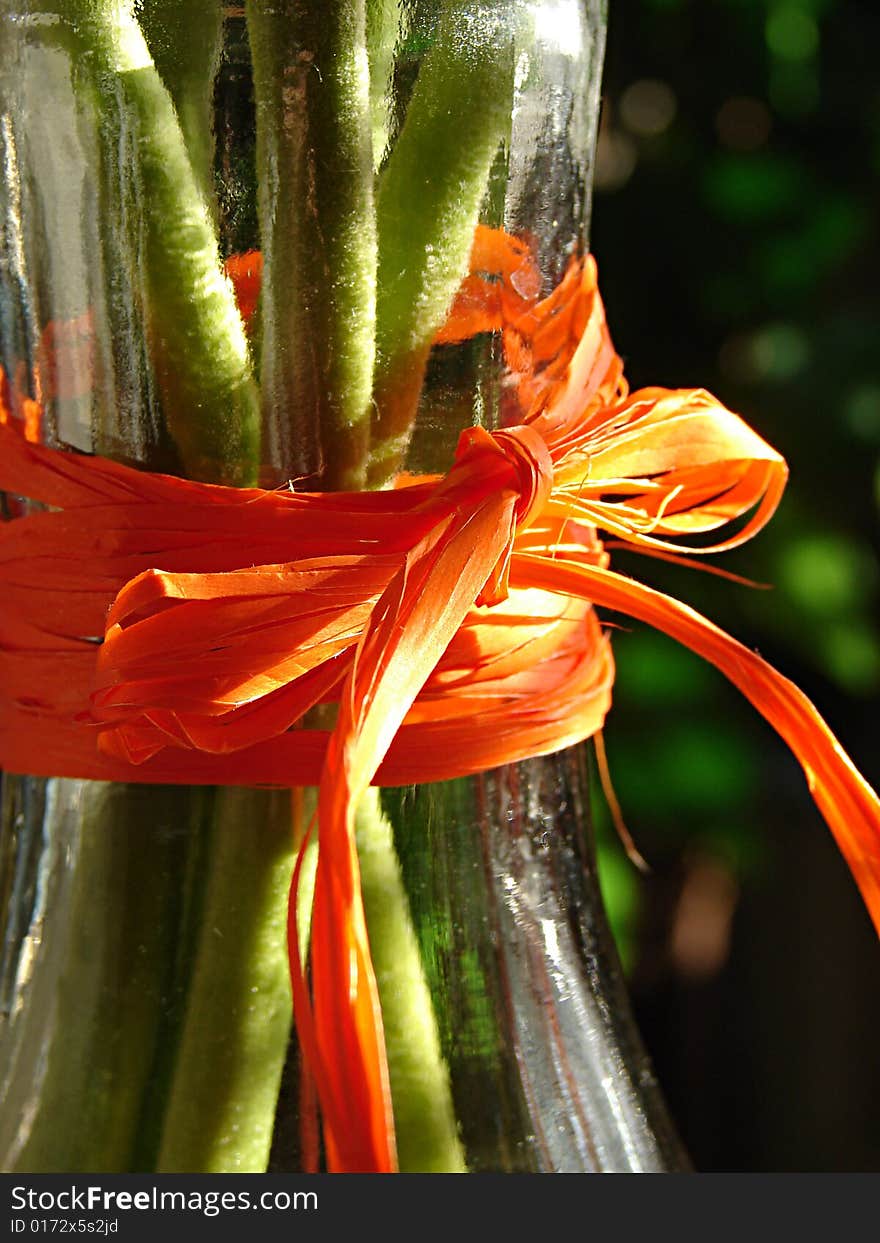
{"type": "Point", "coordinates": [369, 183]}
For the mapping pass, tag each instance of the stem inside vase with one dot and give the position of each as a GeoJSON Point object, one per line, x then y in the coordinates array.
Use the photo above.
{"type": "Point", "coordinates": [377, 137]}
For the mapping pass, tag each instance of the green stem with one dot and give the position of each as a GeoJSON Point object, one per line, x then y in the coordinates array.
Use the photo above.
{"type": "Point", "coordinates": [185, 39]}
{"type": "Point", "coordinates": [424, 1118]}
{"type": "Point", "coordinates": [168, 929]}
{"type": "Point", "coordinates": [198, 344]}
{"type": "Point", "coordinates": [218, 1055]}
{"type": "Point", "coordinates": [318, 235]}
{"type": "Point", "coordinates": [217, 1068]}
{"type": "Point", "coordinates": [429, 201]}
{"type": "Point", "coordinates": [113, 940]}
{"type": "Point", "coordinates": [221, 1106]}
{"type": "Point", "coordinates": [383, 29]}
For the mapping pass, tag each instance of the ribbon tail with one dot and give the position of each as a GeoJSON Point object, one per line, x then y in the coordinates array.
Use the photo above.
{"type": "Point", "coordinates": [410, 627]}
{"type": "Point", "coordinates": [849, 805]}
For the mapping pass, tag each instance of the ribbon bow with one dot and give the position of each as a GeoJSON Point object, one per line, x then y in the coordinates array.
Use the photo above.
{"type": "Point", "coordinates": [169, 631]}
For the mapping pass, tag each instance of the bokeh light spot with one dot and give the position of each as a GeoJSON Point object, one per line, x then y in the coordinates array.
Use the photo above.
{"type": "Point", "coordinates": [615, 160]}
{"type": "Point", "coordinates": [699, 941]}
{"type": "Point", "coordinates": [750, 188]}
{"type": "Point", "coordinates": [647, 108]}
{"type": "Point", "coordinates": [618, 880]}
{"type": "Point", "coordinates": [652, 672]}
{"type": "Point", "coordinates": [826, 573]}
{"type": "Point", "coordinates": [735, 358]}
{"type": "Point", "coordinates": [743, 123]}
{"type": "Point", "coordinates": [791, 33]}
{"type": "Point", "coordinates": [851, 653]}
{"type": "Point", "coordinates": [684, 767]}
{"type": "Point", "coordinates": [778, 352]}
{"type": "Point", "coordinates": [862, 412]}
{"type": "Point", "coordinates": [794, 88]}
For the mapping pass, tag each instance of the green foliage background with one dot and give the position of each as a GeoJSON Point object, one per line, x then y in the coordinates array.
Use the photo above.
{"type": "Point", "coordinates": [736, 229]}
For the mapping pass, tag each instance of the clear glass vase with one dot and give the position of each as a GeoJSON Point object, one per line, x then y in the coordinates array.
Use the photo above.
{"type": "Point", "coordinates": [145, 1003]}
{"type": "Point", "coordinates": [547, 1070]}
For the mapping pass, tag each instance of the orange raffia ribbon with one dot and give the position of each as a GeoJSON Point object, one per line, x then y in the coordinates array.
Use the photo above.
{"type": "Point", "coordinates": [162, 630]}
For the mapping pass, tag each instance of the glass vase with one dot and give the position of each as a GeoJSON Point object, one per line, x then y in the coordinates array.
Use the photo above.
{"type": "Point", "coordinates": [145, 1002]}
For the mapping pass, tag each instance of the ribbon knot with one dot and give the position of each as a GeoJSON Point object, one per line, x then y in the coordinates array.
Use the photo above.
{"type": "Point", "coordinates": [514, 463]}
{"type": "Point", "coordinates": [525, 449]}
{"type": "Point", "coordinates": [488, 458]}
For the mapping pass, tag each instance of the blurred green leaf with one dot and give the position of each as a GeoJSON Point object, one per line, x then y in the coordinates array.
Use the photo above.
{"type": "Point", "coordinates": [747, 188]}
{"type": "Point", "coordinates": [826, 573]}
{"type": "Point", "coordinates": [862, 411]}
{"type": "Point", "coordinates": [652, 672]}
{"type": "Point", "coordinates": [618, 880]}
{"type": "Point", "coordinates": [851, 651]}
{"type": "Point", "coordinates": [791, 32]}
{"type": "Point", "coordinates": [682, 766]}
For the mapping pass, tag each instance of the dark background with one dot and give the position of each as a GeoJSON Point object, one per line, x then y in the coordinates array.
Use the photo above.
{"type": "Point", "coordinates": [735, 226]}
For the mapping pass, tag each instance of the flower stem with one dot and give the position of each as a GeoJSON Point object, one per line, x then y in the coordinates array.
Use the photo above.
{"type": "Point", "coordinates": [185, 38]}
{"type": "Point", "coordinates": [424, 1119]}
{"type": "Point", "coordinates": [221, 1104]}
{"type": "Point", "coordinates": [161, 1055]}
{"type": "Point", "coordinates": [106, 975]}
{"type": "Point", "coordinates": [383, 28]}
{"type": "Point", "coordinates": [198, 344]}
{"type": "Point", "coordinates": [212, 1102]}
{"type": "Point", "coordinates": [318, 232]}
{"type": "Point", "coordinates": [428, 206]}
